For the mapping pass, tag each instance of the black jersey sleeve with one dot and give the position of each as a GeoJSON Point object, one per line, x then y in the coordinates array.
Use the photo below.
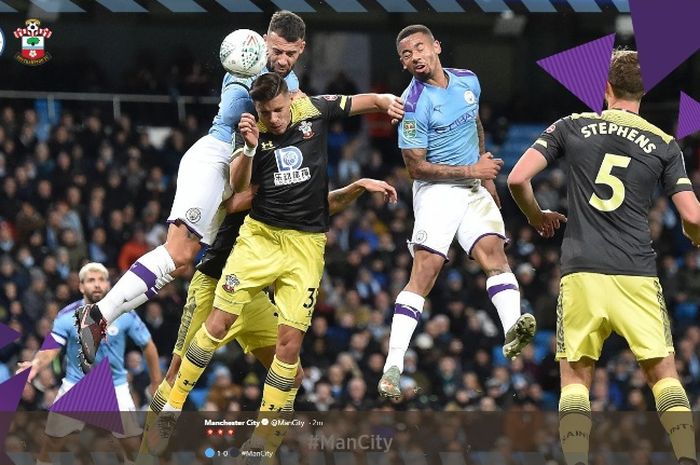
{"type": "Point", "coordinates": [333, 106]}
{"type": "Point", "coordinates": [674, 178]}
{"type": "Point", "coordinates": [551, 142]}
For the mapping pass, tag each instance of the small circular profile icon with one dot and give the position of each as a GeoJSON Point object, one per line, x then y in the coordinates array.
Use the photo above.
{"type": "Point", "coordinates": [264, 422]}
{"type": "Point", "coordinates": [209, 453]}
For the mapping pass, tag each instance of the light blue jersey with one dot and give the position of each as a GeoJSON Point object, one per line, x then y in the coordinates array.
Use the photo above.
{"type": "Point", "coordinates": [113, 347]}
{"type": "Point", "coordinates": [235, 101]}
{"type": "Point", "coordinates": [443, 121]}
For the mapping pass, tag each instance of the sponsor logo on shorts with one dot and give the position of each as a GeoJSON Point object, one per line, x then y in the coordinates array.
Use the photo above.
{"type": "Point", "coordinates": [231, 283]}
{"type": "Point", "coordinates": [421, 236]}
{"type": "Point", "coordinates": [550, 129]}
{"type": "Point", "coordinates": [330, 98]}
{"type": "Point", "coordinates": [409, 128]}
{"type": "Point", "coordinates": [193, 215]}
{"type": "Point", "coordinates": [469, 97]}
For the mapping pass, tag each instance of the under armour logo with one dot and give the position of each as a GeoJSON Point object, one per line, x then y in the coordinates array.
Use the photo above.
{"type": "Point", "coordinates": [267, 145]}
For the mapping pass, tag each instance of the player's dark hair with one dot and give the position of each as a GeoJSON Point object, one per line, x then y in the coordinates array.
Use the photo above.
{"type": "Point", "coordinates": [413, 29]}
{"type": "Point", "coordinates": [288, 26]}
{"type": "Point", "coordinates": [267, 87]}
{"type": "Point", "coordinates": [625, 75]}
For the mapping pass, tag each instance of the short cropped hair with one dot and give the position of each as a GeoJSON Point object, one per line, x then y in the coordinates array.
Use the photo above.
{"type": "Point", "coordinates": [90, 267]}
{"type": "Point", "coordinates": [287, 25]}
{"type": "Point", "coordinates": [625, 75]}
{"type": "Point", "coordinates": [413, 29]}
{"type": "Point", "coordinates": [267, 87]}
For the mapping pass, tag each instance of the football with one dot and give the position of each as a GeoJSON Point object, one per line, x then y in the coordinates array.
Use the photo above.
{"type": "Point", "coordinates": [243, 53]}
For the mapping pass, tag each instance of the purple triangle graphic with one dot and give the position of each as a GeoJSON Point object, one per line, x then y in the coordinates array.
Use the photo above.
{"type": "Point", "coordinates": [688, 116]}
{"type": "Point", "coordinates": [7, 335]}
{"type": "Point", "coordinates": [663, 32]}
{"type": "Point", "coordinates": [583, 70]}
{"type": "Point", "coordinates": [10, 395]}
{"type": "Point", "coordinates": [93, 400]}
{"type": "Point", "coordinates": [50, 343]}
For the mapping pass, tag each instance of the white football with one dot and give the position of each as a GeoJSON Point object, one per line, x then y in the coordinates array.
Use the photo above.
{"type": "Point", "coordinates": [243, 53]}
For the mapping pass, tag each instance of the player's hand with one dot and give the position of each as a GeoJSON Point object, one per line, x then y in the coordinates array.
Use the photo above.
{"type": "Point", "coordinates": [395, 109]}
{"type": "Point", "coordinates": [152, 388]}
{"type": "Point", "coordinates": [547, 222]}
{"type": "Point", "coordinates": [374, 185]}
{"type": "Point", "coordinates": [490, 186]}
{"type": "Point", "coordinates": [21, 366]}
{"type": "Point", "coordinates": [297, 94]}
{"type": "Point", "coordinates": [487, 167]}
{"type": "Point", "coordinates": [248, 128]}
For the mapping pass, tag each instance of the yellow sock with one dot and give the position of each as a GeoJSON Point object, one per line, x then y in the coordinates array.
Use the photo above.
{"type": "Point", "coordinates": [194, 362]}
{"type": "Point", "coordinates": [154, 408]}
{"type": "Point", "coordinates": [575, 423]}
{"type": "Point", "coordinates": [278, 383]}
{"type": "Point", "coordinates": [275, 408]}
{"type": "Point", "coordinates": [277, 433]}
{"type": "Point", "coordinates": [676, 417]}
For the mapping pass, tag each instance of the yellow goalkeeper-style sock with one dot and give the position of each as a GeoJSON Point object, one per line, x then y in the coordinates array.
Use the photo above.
{"type": "Point", "coordinates": [194, 362]}
{"type": "Point", "coordinates": [676, 417]}
{"type": "Point", "coordinates": [575, 423]}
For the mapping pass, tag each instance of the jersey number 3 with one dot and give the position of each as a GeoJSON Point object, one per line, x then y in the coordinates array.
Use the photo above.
{"type": "Point", "coordinates": [606, 177]}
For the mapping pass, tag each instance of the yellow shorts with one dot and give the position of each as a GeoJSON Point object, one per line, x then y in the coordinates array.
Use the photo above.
{"type": "Point", "coordinates": [592, 305]}
{"type": "Point", "coordinates": [264, 255]}
{"type": "Point", "coordinates": [256, 329]}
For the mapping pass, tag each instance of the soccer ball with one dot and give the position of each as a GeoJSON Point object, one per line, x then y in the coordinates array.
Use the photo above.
{"type": "Point", "coordinates": [243, 53]}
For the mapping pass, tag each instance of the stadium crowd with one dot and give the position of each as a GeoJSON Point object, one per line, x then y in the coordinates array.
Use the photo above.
{"type": "Point", "coordinates": [88, 188]}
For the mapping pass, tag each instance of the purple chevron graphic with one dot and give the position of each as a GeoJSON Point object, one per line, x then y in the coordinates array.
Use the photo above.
{"type": "Point", "coordinates": [583, 70]}
{"type": "Point", "coordinates": [688, 116]}
{"type": "Point", "coordinates": [8, 335]}
{"type": "Point", "coordinates": [10, 395]}
{"type": "Point", "coordinates": [93, 400]}
{"type": "Point", "coordinates": [662, 32]}
{"type": "Point", "coordinates": [50, 343]}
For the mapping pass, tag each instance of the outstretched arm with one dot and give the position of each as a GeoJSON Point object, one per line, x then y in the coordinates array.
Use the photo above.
{"type": "Point", "coordinates": [377, 103]}
{"type": "Point", "coordinates": [340, 199]}
{"type": "Point", "coordinates": [689, 208]}
{"type": "Point", "coordinates": [150, 354]}
{"type": "Point", "coordinates": [41, 360]}
{"type": "Point", "coordinates": [520, 185]}
{"type": "Point", "coordinates": [419, 168]}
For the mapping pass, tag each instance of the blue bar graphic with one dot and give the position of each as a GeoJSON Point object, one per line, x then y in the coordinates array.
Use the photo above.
{"type": "Point", "coordinates": [346, 6]}
{"type": "Point", "coordinates": [122, 6]}
{"type": "Point", "coordinates": [397, 6]}
{"type": "Point", "coordinates": [58, 6]}
{"type": "Point", "coordinates": [299, 6]}
{"type": "Point", "coordinates": [446, 6]}
{"type": "Point", "coordinates": [239, 6]}
{"type": "Point", "coordinates": [584, 6]}
{"type": "Point", "coordinates": [493, 6]}
{"type": "Point", "coordinates": [182, 6]}
{"type": "Point", "coordinates": [539, 6]}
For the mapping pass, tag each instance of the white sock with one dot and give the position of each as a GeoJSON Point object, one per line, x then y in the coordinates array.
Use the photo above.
{"type": "Point", "coordinates": [505, 294]}
{"type": "Point", "coordinates": [169, 408]}
{"type": "Point", "coordinates": [143, 298]}
{"type": "Point", "coordinates": [139, 279]}
{"type": "Point", "coordinates": [407, 312]}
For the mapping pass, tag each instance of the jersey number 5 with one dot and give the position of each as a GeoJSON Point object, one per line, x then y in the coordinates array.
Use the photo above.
{"type": "Point", "coordinates": [606, 177]}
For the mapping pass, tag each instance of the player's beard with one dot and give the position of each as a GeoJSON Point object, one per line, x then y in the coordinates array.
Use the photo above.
{"type": "Point", "coordinates": [94, 297]}
{"type": "Point", "coordinates": [271, 68]}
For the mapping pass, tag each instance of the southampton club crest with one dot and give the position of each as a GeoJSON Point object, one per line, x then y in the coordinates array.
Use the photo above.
{"type": "Point", "coordinates": [231, 283]}
{"type": "Point", "coordinates": [33, 37]}
{"type": "Point", "coordinates": [306, 131]}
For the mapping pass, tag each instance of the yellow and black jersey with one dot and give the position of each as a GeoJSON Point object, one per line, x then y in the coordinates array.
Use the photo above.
{"type": "Point", "coordinates": [291, 169]}
{"type": "Point", "coordinates": [615, 161]}
{"type": "Point", "coordinates": [215, 257]}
